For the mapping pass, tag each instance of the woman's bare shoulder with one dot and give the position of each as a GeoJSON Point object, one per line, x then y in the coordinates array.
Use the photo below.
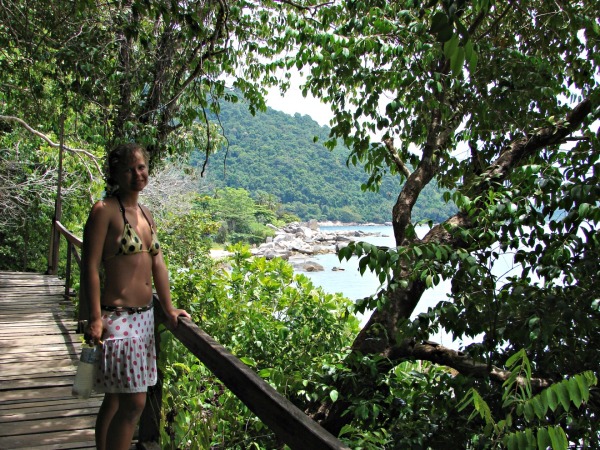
{"type": "Point", "coordinates": [103, 209]}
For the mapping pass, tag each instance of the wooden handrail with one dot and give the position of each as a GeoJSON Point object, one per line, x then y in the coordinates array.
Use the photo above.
{"type": "Point", "coordinates": [71, 238]}
{"type": "Point", "coordinates": [288, 422]}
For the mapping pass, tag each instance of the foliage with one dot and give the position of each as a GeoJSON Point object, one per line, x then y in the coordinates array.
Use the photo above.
{"type": "Point", "coordinates": [476, 97]}
{"type": "Point", "coordinates": [277, 322]}
{"type": "Point", "coordinates": [126, 71]}
{"type": "Point", "coordinates": [186, 239]}
{"type": "Point", "coordinates": [28, 189]}
{"type": "Point", "coordinates": [275, 153]}
{"type": "Point", "coordinates": [523, 409]}
{"type": "Point", "coordinates": [241, 218]}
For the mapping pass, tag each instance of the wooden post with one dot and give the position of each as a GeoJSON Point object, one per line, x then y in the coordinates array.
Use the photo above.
{"type": "Point", "coordinates": [68, 274]}
{"type": "Point", "coordinates": [55, 235]}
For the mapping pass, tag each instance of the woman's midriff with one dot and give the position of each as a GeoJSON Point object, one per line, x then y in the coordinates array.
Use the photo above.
{"type": "Point", "coordinates": [128, 280]}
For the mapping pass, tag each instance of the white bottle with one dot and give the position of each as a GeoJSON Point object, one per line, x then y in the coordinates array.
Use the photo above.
{"type": "Point", "coordinates": [84, 378]}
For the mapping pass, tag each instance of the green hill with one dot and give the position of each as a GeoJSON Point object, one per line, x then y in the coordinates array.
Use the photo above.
{"type": "Point", "coordinates": [275, 153]}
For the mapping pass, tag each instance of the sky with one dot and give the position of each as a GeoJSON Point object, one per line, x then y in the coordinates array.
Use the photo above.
{"type": "Point", "coordinates": [293, 102]}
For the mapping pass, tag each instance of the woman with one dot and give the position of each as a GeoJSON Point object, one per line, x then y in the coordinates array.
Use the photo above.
{"type": "Point", "coordinates": [120, 236]}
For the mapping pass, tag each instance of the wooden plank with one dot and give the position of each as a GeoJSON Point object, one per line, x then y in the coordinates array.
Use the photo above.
{"type": "Point", "coordinates": [37, 321]}
{"type": "Point", "coordinates": [49, 367]}
{"type": "Point", "coordinates": [34, 394]}
{"type": "Point", "coordinates": [49, 414]}
{"type": "Point", "coordinates": [32, 341]}
{"type": "Point", "coordinates": [51, 405]}
{"type": "Point", "coordinates": [15, 358]}
{"type": "Point", "coordinates": [39, 330]}
{"type": "Point", "coordinates": [17, 350]}
{"type": "Point", "coordinates": [48, 425]}
{"type": "Point", "coordinates": [42, 380]}
{"type": "Point", "coordinates": [48, 439]}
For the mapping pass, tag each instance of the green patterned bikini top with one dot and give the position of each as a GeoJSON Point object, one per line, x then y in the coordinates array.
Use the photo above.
{"type": "Point", "coordinates": [130, 241]}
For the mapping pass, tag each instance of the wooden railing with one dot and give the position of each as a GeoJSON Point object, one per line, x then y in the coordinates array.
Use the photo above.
{"type": "Point", "coordinates": [289, 423]}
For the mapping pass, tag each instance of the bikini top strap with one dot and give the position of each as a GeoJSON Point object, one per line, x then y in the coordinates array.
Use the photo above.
{"type": "Point", "coordinates": [146, 217]}
{"type": "Point", "coordinates": [122, 208]}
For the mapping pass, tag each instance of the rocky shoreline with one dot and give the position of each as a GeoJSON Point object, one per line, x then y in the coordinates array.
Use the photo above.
{"type": "Point", "coordinates": [296, 241]}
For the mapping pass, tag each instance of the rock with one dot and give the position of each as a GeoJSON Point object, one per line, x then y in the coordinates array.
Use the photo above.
{"type": "Point", "coordinates": [313, 225]}
{"type": "Point", "coordinates": [311, 266]}
{"type": "Point", "coordinates": [306, 239]}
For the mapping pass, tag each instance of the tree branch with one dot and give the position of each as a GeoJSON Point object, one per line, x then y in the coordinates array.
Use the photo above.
{"type": "Point", "coordinates": [52, 143]}
{"type": "Point", "coordinates": [389, 144]}
{"type": "Point", "coordinates": [306, 8]}
{"type": "Point", "coordinates": [439, 354]}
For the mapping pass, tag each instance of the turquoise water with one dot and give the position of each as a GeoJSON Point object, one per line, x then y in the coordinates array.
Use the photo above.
{"type": "Point", "coordinates": [349, 281]}
{"type": "Point", "coordinates": [351, 284]}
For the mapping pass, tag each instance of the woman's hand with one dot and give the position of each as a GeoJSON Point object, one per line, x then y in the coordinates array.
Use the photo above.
{"type": "Point", "coordinates": [173, 313]}
{"type": "Point", "coordinates": [94, 331]}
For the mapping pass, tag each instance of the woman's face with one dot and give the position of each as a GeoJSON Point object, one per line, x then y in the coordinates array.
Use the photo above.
{"type": "Point", "coordinates": [133, 175]}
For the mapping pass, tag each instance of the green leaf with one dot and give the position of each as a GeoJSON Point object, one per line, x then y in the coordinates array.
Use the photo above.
{"type": "Point", "coordinates": [510, 362]}
{"type": "Point", "coordinates": [538, 407]}
{"type": "Point", "coordinates": [472, 61]}
{"type": "Point", "coordinates": [333, 395]}
{"type": "Point", "coordinates": [552, 398]}
{"type": "Point", "coordinates": [528, 411]}
{"type": "Point", "coordinates": [574, 392]}
{"type": "Point", "coordinates": [584, 387]}
{"type": "Point", "coordinates": [511, 442]}
{"type": "Point", "coordinates": [583, 209]}
{"type": "Point", "coordinates": [457, 61]}
{"type": "Point", "coordinates": [543, 439]}
{"type": "Point", "coordinates": [445, 33]}
{"type": "Point", "coordinates": [558, 438]}
{"type": "Point", "coordinates": [265, 373]}
{"type": "Point", "coordinates": [451, 46]}
{"type": "Point", "coordinates": [563, 394]}
{"type": "Point", "coordinates": [438, 22]}
{"type": "Point", "coordinates": [468, 49]}
{"type": "Point", "coordinates": [248, 361]}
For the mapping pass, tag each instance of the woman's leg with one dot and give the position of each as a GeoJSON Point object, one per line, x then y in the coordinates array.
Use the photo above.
{"type": "Point", "coordinates": [109, 407]}
{"type": "Point", "coordinates": [123, 423]}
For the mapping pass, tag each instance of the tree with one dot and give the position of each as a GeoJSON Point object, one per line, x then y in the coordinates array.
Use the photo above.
{"type": "Point", "coordinates": [481, 97]}
{"type": "Point", "coordinates": [99, 74]}
{"type": "Point", "coordinates": [131, 70]}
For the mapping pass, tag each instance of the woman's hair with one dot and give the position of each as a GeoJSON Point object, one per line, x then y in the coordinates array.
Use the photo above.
{"type": "Point", "coordinates": [118, 157]}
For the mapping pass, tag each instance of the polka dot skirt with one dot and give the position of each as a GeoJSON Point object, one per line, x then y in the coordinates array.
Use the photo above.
{"type": "Point", "coordinates": [128, 358]}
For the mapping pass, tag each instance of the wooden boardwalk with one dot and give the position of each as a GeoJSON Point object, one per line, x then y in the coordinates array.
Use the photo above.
{"type": "Point", "coordinates": [38, 355]}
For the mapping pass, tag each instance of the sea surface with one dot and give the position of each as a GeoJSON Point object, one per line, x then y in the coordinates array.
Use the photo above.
{"type": "Point", "coordinates": [351, 284]}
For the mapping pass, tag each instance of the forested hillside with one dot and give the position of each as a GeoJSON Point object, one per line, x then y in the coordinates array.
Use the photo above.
{"type": "Point", "coordinates": [275, 153]}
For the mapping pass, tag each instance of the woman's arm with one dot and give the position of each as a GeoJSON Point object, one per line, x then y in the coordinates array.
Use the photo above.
{"type": "Point", "coordinates": [160, 275]}
{"type": "Point", "coordinates": [94, 235]}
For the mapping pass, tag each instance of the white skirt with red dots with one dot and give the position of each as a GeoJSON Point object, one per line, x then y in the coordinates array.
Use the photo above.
{"type": "Point", "coordinates": [128, 357]}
